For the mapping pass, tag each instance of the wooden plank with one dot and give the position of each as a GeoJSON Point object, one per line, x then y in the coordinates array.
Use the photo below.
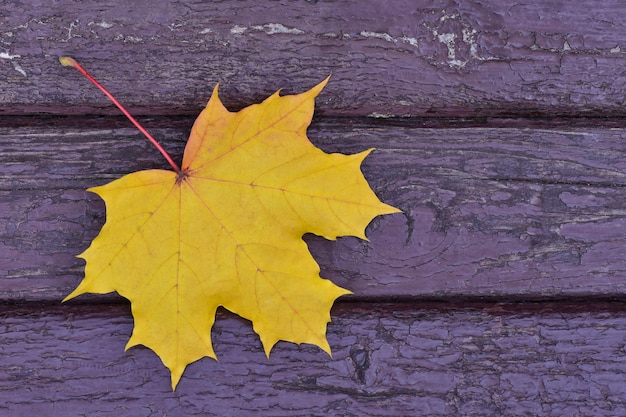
{"type": "Point", "coordinates": [506, 212]}
{"type": "Point", "coordinates": [392, 58]}
{"type": "Point", "coordinates": [546, 359]}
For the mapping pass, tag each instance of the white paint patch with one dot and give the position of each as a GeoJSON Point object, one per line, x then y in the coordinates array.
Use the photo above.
{"type": "Point", "coordinates": [410, 41]}
{"type": "Point", "coordinates": [387, 37]}
{"type": "Point", "coordinates": [19, 69]}
{"type": "Point", "coordinates": [447, 16]}
{"type": "Point", "coordinates": [206, 30]}
{"type": "Point", "coordinates": [377, 115]}
{"type": "Point", "coordinates": [448, 40]}
{"type": "Point", "coordinates": [16, 66]}
{"type": "Point", "coordinates": [377, 35]}
{"type": "Point", "coordinates": [274, 28]}
{"type": "Point", "coordinates": [468, 35]}
{"type": "Point", "coordinates": [616, 50]}
{"type": "Point", "coordinates": [238, 30]}
{"type": "Point", "coordinates": [105, 25]}
{"type": "Point", "coordinates": [69, 31]}
{"type": "Point", "coordinates": [6, 55]}
{"type": "Point", "coordinates": [128, 39]}
{"type": "Point", "coordinates": [451, 41]}
{"type": "Point", "coordinates": [566, 46]}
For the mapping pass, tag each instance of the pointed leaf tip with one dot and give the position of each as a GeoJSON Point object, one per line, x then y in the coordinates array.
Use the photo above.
{"type": "Point", "coordinates": [320, 86]}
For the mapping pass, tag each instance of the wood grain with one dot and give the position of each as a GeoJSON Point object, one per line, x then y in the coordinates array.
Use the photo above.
{"type": "Point", "coordinates": [506, 212]}
{"type": "Point", "coordinates": [499, 131]}
{"type": "Point", "coordinates": [395, 360]}
{"type": "Point", "coordinates": [392, 58]}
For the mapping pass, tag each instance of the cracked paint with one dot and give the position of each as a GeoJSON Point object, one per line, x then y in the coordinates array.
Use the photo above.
{"type": "Point", "coordinates": [448, 39]}
{"type": "Point", "coordinates": [274, 28]}
{"type": "Point", "coordinates": [238, 30]}
{"type": "Point", "coordinates": [269, 28]}
{"type": "Point", "coordinates": [377, 35]}
{"type": "Point", "coordinates": [16, 66]}
{"type": "Point", "coordinates": [103, 24]}
{"type": "Point", "coordinates": [458, 44]}
{"type": "Point", "coordinates": [128, 39]}
{"type": "Point", "coordinates": [6, 55]}
{"type": "Point", "coordinates": [71, 27]}
{"type": "Point", "coordinates": [19, 69]}
{"type": "Point", "coordinates": [387, 37]}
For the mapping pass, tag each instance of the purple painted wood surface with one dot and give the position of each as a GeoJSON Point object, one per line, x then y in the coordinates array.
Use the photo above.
{"type": "Point", "coordinates": [400, 360]}
{"type": "Point", "coordinates": [496, 207]}
{"type": "Point", "coordinates": [507, 212]}
{"type": "Point", "coordinates": [392, 58]}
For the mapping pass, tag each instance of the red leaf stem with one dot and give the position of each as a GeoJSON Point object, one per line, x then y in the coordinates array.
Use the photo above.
{"type": "Point", "coordinates": [71, 62]}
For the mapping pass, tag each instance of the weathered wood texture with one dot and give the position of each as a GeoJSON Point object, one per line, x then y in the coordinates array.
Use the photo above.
{"type": "Point", "coordinates": [508, 211]}
{"type": "Point", "coordinates": [496, 205]}
{"type": "Point", "coordinates": [403, 360]}
{"type": "Point", "coordinates": [397, 57]}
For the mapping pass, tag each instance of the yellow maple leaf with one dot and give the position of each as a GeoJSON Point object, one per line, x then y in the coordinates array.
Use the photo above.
{"type": "Point", "coordinates": [226, 230]}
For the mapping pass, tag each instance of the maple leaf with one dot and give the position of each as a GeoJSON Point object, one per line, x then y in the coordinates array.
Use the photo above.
{"type": "Point", "coordinates": [226, 230]}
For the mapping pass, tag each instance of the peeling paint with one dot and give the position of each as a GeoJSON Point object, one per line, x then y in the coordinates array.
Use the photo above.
{"type": "Point", "coordinates": [6, 55]}
{"type": "Point", "coordinates": [461, 44]}
{"type": "Point", "coordinates": [274, 28]}
{"type": "Point", "coordinates": [448, 40]}
{"type": "Point", "coordinates": [445, 16]}
{"type": "Point", "coordinates": [238, 30]}
{"type": "Point", "coordinates": [19, 69]}
{"type": "Point", "coordinates": [206, 30]}
{"type": "Point", "coordinates": [377, 115]}
{"type": "Point", "coordinates": [105, 25]}
{"type": "Point", "coordinates": [616, 50]}
{"type": "Point", "coordinates": [410, 41]}
{"type": "Point", "coordinates": [128, 39]}
{"type": "Point", "coordinates": [333, 35]}
{"type": "Point", "coordinates": [16, 66]}
{"type": "Point", "coordinates": [384, 36]}
{"type": "Point", "coordinates": [69, 31]}
{"type": "Point", "coordinates": [387, 37]}
{"type": "Point", "coordinates": [469, 37]}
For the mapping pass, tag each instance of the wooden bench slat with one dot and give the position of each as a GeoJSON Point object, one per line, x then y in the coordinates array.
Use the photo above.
{"type": "Point", "coordinates": [396, 58]}
{"type": "Point", "coordinates": [391, 361]}
{"type": "Point", "coordinates": [510, 212]}
{"type": "Point", "coordinates": [498, 204]}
